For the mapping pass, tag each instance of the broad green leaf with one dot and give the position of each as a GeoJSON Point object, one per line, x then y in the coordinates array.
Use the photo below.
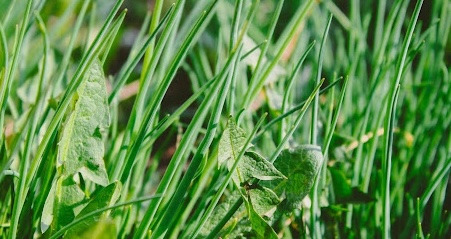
{"type": "Point", "coordinates": [254, 166]}
{"type": "Point", "coordinates": [64, 202]}
{"type": "Point", "coordinates": [231, 143]}
{"type": "Point", "coordinates": [341, 185]}
{"type": "Point", "coordinates": [259, 226]}
{"type": "Point", "coordinates": [105, 198]}
{"type": "Point", "coordinates": [81, 146]}
{"type": "Point", "coordinates": [300, 165]}
{"type": "Point", "coordinates": [344, 192]}
{"type": "Point", "coordinates": [264, 200]}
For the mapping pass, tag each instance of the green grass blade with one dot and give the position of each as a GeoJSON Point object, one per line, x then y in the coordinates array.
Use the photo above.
{"type": "Point", "coordinates": [99, 211]}
{"type": "Point", "coordinates": [389, 122]}
{"type": "Point", "coordinates": [226, 180]}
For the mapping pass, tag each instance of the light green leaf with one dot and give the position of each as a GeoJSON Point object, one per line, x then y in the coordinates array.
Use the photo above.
{"type": "Point", "coordinates": [81, 146]}
{"type": "Point", "coordinates": [254, 166]}
{"type": "Point", "coordinates": [105, 198]}
{"type": "Point", "coordinates": [103, 229]}
{"type": "Point", "coordinates": [231, 143]}
{"type": "Point", "coordinates": [47, 211]}
{"type": "Point", "coordinates": [62, 205]}
{"type": "Point", "coordinates": [301, 166]}
{"type": "Point", "coordinates": [264, 200]}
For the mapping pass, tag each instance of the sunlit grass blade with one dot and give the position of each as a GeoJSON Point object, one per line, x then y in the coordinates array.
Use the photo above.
{"type": "Point", "coordinates": [128, 68]}
{"type": "Point", "coordinates": [158, 97]}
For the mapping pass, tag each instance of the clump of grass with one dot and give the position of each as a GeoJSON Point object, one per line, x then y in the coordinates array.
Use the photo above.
{"type": "Point", "coordinates": [278, 138]}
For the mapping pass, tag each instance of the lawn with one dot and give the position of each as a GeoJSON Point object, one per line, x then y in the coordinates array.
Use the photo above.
{"type": "Point", "coordinates": [225, 119]}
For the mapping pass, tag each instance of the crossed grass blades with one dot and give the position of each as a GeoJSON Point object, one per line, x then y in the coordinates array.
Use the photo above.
{"type": "Point", "coordinates": [304, 119]}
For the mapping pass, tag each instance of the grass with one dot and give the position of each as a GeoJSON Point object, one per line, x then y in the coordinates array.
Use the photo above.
{"type": "Point", "coordinates": [253, 89]}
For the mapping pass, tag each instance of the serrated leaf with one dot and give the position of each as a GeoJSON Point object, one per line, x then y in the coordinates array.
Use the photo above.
{"type": "Point", "coordinates": [263, 199]}
{"type": "Point", "coordinates": [231, 143]}
{"type": "Point", "coordinates": [105, 198]}
{"type": "Point", "coordinates": [81, 146]}
{"type": "Point", "coordinates": [254, 166]}
{"type": "Point", "coordinates": [301, 166]}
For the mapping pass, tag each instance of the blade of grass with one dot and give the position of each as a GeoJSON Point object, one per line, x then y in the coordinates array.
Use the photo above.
{"type": "Point", "coordinates": [187, 139]}
{"type": "Point", "coordinates": [262, 56]}
{"type": "Point", "coordinates": [6, 87]}
{"type": "Point", "coordinates": [137, 109]}
{"type": "Point", "coordinates": [252, 92]}
{"type": "Point", "coordinates": [289, 86]}
{"type": "Point", "coordinates": [77, 79]}
{"type": "Point", "coordinates": [279, 149]}
{"type": "Point", "coordinates": [389, 122]}
{"type": "Point", "coordinates": [211, 129]}
{"type": "Point", "coordinates": [153, 28]}
{"type": "Point", "coordinates": [226, 180]}
{"type": "Point", "coordinates": [68, 53]}
{"type": "Point", "coordinates": [126, 71]}
{"type": "Point", "coordinates": [158, 97]}
{"type": "Point", "coordinates": [61, 232]}
{"type": "Point", "coordinates": [232, 40]}
{"type": "Point", "coordinates": [314, 210]}
{"type": "Point", "coordinates": [293, 110]}
{"type": "Point", "coordinates": [200, 152]}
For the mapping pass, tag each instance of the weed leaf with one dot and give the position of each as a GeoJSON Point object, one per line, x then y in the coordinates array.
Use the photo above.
{"type": "Point", "coordinates": [231, 143]}
{"type": "Point", "coordinates": [81, 147]}
{"type": "Point", "coordinates": [264, 200]}
{"type": "Point", "coordinates": [63, 203]}
{"type": "Point", "coordinates": [254, 166]}
{"type": "Point", "coordinates": [300, 165]}
{"type": "Point", "coordinates": [105, 198]}
{"type": "Point", "coordinates": [218, 214]}
{"type": "Point", "coordinates": [261, 228]}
